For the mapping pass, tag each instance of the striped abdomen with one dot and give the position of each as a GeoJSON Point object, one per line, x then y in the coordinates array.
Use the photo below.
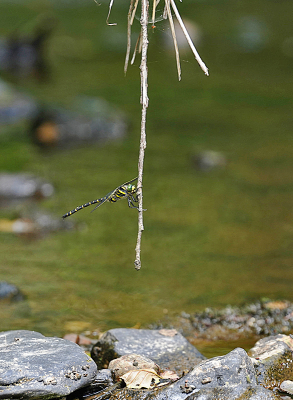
{"type": "Point", "coordinates": [102, 200]}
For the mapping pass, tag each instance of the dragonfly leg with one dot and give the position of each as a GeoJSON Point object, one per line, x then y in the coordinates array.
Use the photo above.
{"type": "Point", "coordinates": [133, 199]}
{"type": "Point", "coordinates": [130, 203]}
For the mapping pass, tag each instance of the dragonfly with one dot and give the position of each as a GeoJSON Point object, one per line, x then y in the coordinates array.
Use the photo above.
{"type": "Point", "coordinates": [126, 191]}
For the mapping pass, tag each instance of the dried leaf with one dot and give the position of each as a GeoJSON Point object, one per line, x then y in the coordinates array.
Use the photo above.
{"type": "Point", "coordinates": [141, 378]}
{"type": "Point", "coordinates": [170, 375]}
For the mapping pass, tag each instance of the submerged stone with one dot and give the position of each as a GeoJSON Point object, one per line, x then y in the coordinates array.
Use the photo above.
{"type": "Point", "coordinates": [23, 186]}
{"type": "Point", "coordinates": [10, 292]}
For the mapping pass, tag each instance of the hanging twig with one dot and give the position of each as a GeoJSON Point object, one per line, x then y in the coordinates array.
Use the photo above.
{"type": "Point", "coordinates": [144, 102]}
{"type": "Point", "coordinates": [142, 46]}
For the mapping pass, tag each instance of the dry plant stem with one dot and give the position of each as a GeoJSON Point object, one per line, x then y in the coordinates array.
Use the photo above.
{"type": "Point", "coordinates": [110, 8]}
{"type": "Point", "coordinates": [128, 37]}
{"type": "Point", "coordinates": [133, 12]}
{"type": "Point", "coordinates": [154, 11]}
{"type": "Point", "coordinates": [181, 23]}
{"type": "Point", "coordinates": [135, 49]}
{"type": "Point", "coordinates": [167, 3]}
{"type": "Point", "coordinates": [144, 102]}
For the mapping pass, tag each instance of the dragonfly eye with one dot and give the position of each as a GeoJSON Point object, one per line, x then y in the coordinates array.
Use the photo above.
{"type": "Point", "coordinates": [130, 188]}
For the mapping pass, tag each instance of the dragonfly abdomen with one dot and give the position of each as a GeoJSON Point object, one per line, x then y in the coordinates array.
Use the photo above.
{"type": "Point", "coordinates": [83, 206]}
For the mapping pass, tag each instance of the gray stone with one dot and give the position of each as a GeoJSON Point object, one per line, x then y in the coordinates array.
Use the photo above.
{"type": "Point", "coordinates": [273, 360]}
{"type": "Point", "coordinates": [234, 370]}
{"type": "Point", "coordinates": [80, 126]}
{"type": "Point", "coordinates": [229, 377]}
{"type": "Point", "coordinates": [23, 186]}
{"type": "Point", "coordinates": [103, 380]}
{"type": "Point", "coordinates": [10, 292]}
{"type": "Point", "coordinates": [166, 347]}
{"type": "Point", "coordinates": [208, 160]}
{"type": "Point", "coordinates": [39, 367]}
{"type": "Point", "coordinates": [217, 393]}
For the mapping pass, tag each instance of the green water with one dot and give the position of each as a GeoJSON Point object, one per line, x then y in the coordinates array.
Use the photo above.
{"type": "Point", "coordinates": [210, 239]}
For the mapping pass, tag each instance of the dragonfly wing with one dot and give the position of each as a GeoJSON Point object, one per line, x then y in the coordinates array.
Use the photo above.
{"type": "Point", "coordinates": [120, 187]}
{"type": "Point", "coordinates": [127, 183]}
{"type": "Point", "coordinates": [101, 201]}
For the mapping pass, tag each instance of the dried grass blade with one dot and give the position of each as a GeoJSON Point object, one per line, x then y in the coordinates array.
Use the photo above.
{"type": "Point", "coordinates": [128, 37]}
{"type": "Point", "coordinates": [110, 8]}
{"type": "Point", "coordinates": [154, 12]}
{"type": "Point", "coordinates": [140, 43]}
{"type": "Point", "coordinates": [167, 2]}
{"type": "Point", "coordinates": [133, 12]}
{"type": "Point", "coordinates": [135, 49]}
{"type": "Point", "coordinates": [181, 23]}
{"type": "Point", "coordinates": [165, 14]}
{"type": "Point", "coordinates": [156, 3]}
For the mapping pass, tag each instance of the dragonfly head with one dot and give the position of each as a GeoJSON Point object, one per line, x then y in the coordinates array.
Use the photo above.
{"type": "Point", "coordinates": [131, 188]}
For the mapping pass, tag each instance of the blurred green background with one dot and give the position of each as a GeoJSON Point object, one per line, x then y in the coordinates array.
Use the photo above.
{"type": "Point", "coordinates": [211, 238]}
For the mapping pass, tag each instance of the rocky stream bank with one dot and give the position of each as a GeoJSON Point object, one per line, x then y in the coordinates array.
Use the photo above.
{"type": "Point", "coordinates": [156, 364]}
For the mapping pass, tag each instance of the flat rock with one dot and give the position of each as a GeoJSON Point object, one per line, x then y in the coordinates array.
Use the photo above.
{"type": "Point", "coordinates": [37, 367]}
{"type": "Point", "coordinates": [166, 347]}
